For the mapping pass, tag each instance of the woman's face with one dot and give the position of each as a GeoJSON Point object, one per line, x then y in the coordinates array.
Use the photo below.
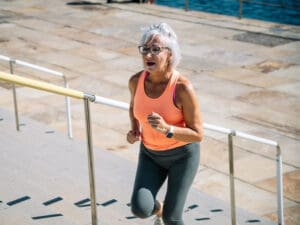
{"type": "Point", "coordinates": [157, 60]}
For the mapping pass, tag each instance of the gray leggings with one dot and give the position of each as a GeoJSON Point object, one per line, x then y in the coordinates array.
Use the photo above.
{"type": "Point", "coordinates": [180, 165]}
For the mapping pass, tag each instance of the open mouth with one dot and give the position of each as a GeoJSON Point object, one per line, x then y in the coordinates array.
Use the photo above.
{"type": "Point", "coordinates": [150, 63]}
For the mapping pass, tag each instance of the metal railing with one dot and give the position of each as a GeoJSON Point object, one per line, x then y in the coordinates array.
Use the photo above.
{"type": "Point", "coordinates": [101, 100]}
{"type": "Point", "coordinates": [11, 62]}
{"type": "Point", "coordinates": [230, 133]}
{"type": "Point", "coordinates": [74, 94]}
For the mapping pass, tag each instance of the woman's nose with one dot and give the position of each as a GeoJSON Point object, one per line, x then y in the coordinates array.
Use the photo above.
{"type": "Point", "coordinates": [149, 54]}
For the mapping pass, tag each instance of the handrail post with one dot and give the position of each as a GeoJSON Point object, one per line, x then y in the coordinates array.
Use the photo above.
{"type": "Point", "coordinates": [11, 68]}
{"type": "Point", "coordinates": [279, 187]}
{"type": "Point", "coordinates": [91, 162]}
{"type": "Point", "coordinates": [68, 109]}
{"type": "Point", "coordinates": [240, 9]}
{"type": "Point", "coordinates": [231, 177]}
{"type": "Point", "coordinates": [186, 5]}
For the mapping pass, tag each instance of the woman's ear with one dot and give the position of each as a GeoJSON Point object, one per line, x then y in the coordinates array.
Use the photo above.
{"type": "Point", "coordinates": [170, 58]}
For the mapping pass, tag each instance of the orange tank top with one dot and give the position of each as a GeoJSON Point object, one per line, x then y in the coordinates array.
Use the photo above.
{"type": "Point", "coordinates": [163, 105]}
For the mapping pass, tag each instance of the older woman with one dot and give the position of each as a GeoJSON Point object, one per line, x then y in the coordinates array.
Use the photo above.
{"type": "Point", "coordinates": [165, 116]}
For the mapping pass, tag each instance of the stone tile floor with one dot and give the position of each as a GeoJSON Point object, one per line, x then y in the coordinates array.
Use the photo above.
{"type": "Point", "coordinates": [241, 84]}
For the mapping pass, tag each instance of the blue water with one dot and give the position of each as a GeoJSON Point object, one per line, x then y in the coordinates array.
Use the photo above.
{"type": "Point", "coordinates": [279, 11]}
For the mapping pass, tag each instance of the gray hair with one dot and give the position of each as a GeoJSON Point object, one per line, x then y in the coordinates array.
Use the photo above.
{"type": "Point", "coordinates": [167, 35]}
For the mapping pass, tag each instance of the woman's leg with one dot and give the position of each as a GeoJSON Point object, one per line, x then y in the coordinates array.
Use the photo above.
{"type": "Point", "coordinates": [180, 178]}
{"type": "Point", "coordinates": [149, 178]}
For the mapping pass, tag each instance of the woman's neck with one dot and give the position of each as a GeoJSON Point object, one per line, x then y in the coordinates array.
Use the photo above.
{"type": "Point", "coordinates": [160, 77]}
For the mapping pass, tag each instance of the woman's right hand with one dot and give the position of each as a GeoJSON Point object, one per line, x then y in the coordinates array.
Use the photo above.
{"type": "Point", "coordinates": [133, 136]}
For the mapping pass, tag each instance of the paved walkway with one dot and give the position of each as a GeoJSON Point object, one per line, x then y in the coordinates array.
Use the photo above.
{"type": "Point", "coordinates": [245, 72]}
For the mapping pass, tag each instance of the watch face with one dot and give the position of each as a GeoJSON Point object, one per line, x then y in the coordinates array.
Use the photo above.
{"type": "Point", "coordinates": [169, 135]}
{"type": "Point", "coordinates": [170, 132]}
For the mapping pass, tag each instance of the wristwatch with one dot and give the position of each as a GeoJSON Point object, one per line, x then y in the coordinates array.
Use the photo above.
{"type": "Point", "coordinates": [170, 132]}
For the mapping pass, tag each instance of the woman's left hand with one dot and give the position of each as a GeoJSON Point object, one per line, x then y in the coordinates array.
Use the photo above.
{"type": "Point", "coordinates": [157, 122]}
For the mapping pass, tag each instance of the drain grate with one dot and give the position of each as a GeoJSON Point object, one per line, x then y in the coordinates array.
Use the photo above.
{"type": "Point", "coordinates": [253, 221]}
{"type": "Point", "coordinates": [17, 201]}
{"type": "Point", "coordinates": [86, 5]}
{"type": "Point", "coordinates": [52, 201]}
{"type": "Point", "coordinates": [83, 3]}
{"type": "Point", "coordinates": [46, 216]}
{"type": "Point", "coordinates": [262, 39]}
{"type": "Point", "coordinates": [203, 218]}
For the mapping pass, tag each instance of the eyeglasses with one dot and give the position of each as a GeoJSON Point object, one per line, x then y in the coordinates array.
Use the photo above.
{"type": "Point", "coordinates": [154, 49]}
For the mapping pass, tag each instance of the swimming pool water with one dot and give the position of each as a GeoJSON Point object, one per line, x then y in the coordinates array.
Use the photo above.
{"type": "Point", "coordinates": [279, 11]}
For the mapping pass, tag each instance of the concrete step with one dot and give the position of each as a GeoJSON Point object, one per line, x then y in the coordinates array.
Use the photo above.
{"type": "Point", "coordinates": [44, 165]}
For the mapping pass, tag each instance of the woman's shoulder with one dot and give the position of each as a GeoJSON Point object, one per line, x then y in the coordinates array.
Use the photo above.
{"type": "Point", "coordinates": [183, 84]}
{"type": "Point", "coordinates": [135, 77]}
{"type": "Point", "coordinates": [133, 80]}
{"type": "Point", "coordinates": [184, 91]}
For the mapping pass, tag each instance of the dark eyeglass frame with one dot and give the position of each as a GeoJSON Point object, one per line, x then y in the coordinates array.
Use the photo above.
{"type": "Point", "coordinates": [144, 50]}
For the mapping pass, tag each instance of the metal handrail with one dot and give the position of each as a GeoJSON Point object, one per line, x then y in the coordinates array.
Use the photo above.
{"type": "Point", "coordinates": [43, 69]}
{"type": "Point", "coordinates": [101, 100]}
{"type": "Point", "coordinates": [40, 85]}
{"type": "Point", "coordinates": [230, 133]}
{"type": "Point", "coordinates": [74, 94]}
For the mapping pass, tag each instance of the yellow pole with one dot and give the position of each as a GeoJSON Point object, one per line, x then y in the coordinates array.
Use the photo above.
{"type": "Point", "coordinates": [40, 85]}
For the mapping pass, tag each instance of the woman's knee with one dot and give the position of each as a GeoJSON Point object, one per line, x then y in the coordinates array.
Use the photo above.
{"type": "Point", "coordinates": [142, 203]}
{"type": "Point", "coordinates": [138, 212]}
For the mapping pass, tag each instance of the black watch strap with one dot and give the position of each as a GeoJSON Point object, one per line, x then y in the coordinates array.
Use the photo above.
{"type": "Point", "coordinates": [170, 132]}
